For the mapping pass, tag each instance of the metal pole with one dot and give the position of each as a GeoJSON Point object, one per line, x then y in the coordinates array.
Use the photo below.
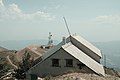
{"type": "Point", "coordinates": [105, 63]}
{"type": "Point", "coordinates": [67, 26]}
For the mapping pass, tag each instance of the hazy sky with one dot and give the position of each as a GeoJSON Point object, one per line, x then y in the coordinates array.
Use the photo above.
{"type": "Point", "coordinates": [95, 20]}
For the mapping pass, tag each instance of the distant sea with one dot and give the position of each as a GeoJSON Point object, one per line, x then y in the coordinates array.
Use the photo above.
{"type": "Point", "coordinates": [110, 49]}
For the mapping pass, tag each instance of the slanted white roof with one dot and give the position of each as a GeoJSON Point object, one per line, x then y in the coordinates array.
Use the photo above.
{"type": "Point", "coordinates": [52, 50]}
{"type": "Point", "coordinates": [49, 53]}
{"type": "Point", "coordinates": [87, 44]}
{"type": "Point", "coordinates": [78, 38]}
{"type": "Point", "coordinates": [85, 59]}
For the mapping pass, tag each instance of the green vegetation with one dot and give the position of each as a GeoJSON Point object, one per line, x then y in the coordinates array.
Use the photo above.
{"type": "Point", "coordinates": [24, 66]}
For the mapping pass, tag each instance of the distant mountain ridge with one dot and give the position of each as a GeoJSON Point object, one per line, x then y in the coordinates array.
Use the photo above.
{"type": "Point", "coordinates": [20, 44]}
{"type": "Point", "coordinates": [112, 52]}
{"type": "Point", "coordinates": [2, 49]}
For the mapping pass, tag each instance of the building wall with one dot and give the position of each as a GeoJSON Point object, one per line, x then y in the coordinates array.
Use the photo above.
{"type": "Point", "coordinates": [46, 68]}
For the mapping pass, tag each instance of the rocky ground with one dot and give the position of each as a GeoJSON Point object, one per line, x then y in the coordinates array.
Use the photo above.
{"type": "Point", "coordinates": [81, 76]}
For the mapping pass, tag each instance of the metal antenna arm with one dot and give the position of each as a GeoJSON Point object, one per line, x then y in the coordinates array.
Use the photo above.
{"type": "Point", "coordinates": [66, 25]}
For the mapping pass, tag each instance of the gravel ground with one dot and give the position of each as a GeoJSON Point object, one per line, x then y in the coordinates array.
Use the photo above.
{"type": "Point", "coordinates": [81, 76]}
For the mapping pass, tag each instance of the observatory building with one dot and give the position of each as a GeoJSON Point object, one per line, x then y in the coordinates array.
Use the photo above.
{"type": "Point", "coordinates": [73, 53]}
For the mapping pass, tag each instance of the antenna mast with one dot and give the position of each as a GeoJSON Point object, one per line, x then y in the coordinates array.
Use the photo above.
{"type": "Point", "coordinates": [105, 63]}
{"type": "Point", "coordinates": [67, 26]}
{"type": "Point", "coordinates": [50, 41]}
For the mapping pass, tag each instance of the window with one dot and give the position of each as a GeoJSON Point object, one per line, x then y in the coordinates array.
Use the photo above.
{"type": "Point", "coordinates": [55, 62]}
{"type": "Point", "coordinates": [69, 63]}
{"type": "Point", "coordinates": [80, 66]}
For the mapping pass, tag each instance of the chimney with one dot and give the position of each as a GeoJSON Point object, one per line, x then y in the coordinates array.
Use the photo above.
{"type": "Point", "coordinates": [64, 40]}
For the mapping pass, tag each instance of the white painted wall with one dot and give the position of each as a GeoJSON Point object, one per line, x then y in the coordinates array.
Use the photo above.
{"type": "Point", "coordinates": [46, 68]}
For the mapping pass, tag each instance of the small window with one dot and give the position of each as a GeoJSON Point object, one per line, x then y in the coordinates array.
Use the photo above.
{"type": "Point", "coordinates": [80, 66]}
{"type": "Point", "coordinates": [55, 62]}
{"type": "Point", "coordinates": [69, 63]}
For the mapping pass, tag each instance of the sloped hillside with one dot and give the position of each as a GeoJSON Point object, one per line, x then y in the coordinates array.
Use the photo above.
{"type": "Point", "coordinates": [13, 57]}
{"type": "Point", "coordinates": [3, 49]}
{"type": "Point", "coordinates": [4, 63]}
{"type": "Point", "coordinates": [4, 54]}
{"type": "Point", "coordinates": [34, 50]}
{"type": "Point", "coordinates": [10, 59]}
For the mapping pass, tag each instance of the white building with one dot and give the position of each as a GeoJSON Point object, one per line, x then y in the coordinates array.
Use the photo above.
{"type": "Point", "coordinates": [73, 53]}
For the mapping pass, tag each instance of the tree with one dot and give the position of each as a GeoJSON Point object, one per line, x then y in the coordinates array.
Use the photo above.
{"type": "Point", "coordinates": [24, 66]}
